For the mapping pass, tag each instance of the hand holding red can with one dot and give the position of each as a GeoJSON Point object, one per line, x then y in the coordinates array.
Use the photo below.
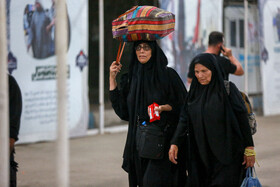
{"type": "Point", "coordinates": [154, 115]}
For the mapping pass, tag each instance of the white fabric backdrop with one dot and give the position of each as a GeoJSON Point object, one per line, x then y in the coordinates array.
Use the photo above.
{"type": "Point", "coordinates": [270, 56]}
{"type": "Point", "coordinates": [36, 77]}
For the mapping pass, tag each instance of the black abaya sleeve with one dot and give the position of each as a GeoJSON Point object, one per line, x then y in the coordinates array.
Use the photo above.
{"type": "Point", "coordinates": [245, 128]}
{"type": "Point", "coordinates": [119, 99]}
{"type": "Point", "coordinates": [177, 94]}
{"type": "Point", "coordinates": [241, 114]}
{"type": "Point", "coordinates": [182, 128]}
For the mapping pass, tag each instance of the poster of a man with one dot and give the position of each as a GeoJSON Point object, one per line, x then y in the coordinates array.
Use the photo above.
{"type": "Point", "coordinates": [39, 38]}
{"type": "Point", "coordinates": [39, 28]}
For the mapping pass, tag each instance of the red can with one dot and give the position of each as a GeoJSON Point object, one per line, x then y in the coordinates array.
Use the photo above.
{"type": "Point", "coordinates": [154, 115]}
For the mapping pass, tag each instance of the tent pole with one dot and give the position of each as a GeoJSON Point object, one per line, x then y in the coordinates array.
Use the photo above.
{"type": "Point", "coordinates": [4, 126]}
{"type": "Point", "coordinates": [101, 66]}
{"type": "Point", "coordinates": [246, 89]}
{"type": "Point", "coordinates": [62, 125]}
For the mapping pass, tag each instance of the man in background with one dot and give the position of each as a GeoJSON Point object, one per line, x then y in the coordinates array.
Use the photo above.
{"type": "Point", "coordinates": [228, 63]}
{"type": "Point", "coordinates": [15, 108]}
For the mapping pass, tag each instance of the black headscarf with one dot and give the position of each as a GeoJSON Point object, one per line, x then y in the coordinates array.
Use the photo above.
{"type": "Point", "coordinates": [214, 123]}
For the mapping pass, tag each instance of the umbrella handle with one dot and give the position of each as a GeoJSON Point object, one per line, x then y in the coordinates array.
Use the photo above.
{"type": "Point", "coordinates": [120, 51]}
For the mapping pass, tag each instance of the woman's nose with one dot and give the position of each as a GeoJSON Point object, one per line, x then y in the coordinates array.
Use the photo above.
{"type": "Point", "coordinates": [199, 75]}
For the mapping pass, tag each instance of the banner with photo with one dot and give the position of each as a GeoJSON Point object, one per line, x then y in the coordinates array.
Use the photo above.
{"type": "Point", "coordinates": [195, 19]}
{"type": "Point", "coordinates": [270, 54]}
{"type": "Point", "coordinates": [32, 61]}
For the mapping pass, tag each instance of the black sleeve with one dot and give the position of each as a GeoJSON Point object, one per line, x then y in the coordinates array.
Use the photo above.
{"type": "Point", "coordinates": [241, 114]}
{"type": "Point", "coordinates": [15, 107]}
{"type": "Point", "coordinates": [119, 99]}
{"type": "Point", "coordinates": [245, 128]}
{"type": "Point", "coordinates": [229, 67]}
{"type": "Point", "coordinates": [177, 94]}
{"type": "Point", "coordinates": [182, 128]}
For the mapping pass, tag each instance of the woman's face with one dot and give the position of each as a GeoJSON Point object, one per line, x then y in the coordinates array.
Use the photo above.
{"type": "Point", "coordinates": [203, 74]}
{"type": "Point", "coordinates": [143, 52]}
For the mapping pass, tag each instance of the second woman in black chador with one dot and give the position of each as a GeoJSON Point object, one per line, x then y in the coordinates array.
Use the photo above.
{"type": "Point", "coordinates": [218, 128]}
{"type": "Point", "coordinates": [149, 80]}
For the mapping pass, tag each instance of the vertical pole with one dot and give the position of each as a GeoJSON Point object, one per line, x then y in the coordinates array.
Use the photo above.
{"type": "Point", "coordinates": [246, 89]}
{"type": "Point", "coordinates": [4, 127]}
{"type": "Point", "coordinates": [62, 126]}
{"type": "Point", "coordinates": [101, 66]}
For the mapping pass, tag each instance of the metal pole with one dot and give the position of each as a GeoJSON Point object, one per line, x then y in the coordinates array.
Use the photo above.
{"type": "Point", "coordinates": [101, 66]}
{"type": "Point", "coordinates": [246, 46]}
{"type": "Point", "coordinates": [4, 124]}
{"type": "Point", "coordinates": [62, 126]}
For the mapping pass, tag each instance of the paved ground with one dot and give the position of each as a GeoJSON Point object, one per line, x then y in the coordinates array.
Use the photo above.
{"type": "Point", "coordinates": [95, 161]}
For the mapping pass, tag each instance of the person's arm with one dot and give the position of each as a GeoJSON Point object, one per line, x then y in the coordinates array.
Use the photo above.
{"type": "Point", "coordinates": [228, 53]}
{"type": "Point", "coordinates": [49, 26]}
{"type": "Point", "coordinates": [179, 135]}
{"type": "Point", "coordinates": [162, 108]}
{"type": "Point", "coordinates": [176, 96]}
{"type": "Point", "coordinates": [115, 68]}
{"type": "Point", "coordinates": [15, 109]}
{"type": "Point", "coordinates": [12, 145]}
{"type": "Point", "coordinates": [241, 114]}
{"type": "Point", "coordinates": [117, 97]}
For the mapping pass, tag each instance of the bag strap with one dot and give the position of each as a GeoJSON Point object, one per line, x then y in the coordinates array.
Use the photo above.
{"type": "Point", "coordinates": [251, 172]}
{"type": "Point", "coordinates": [226, 83]}
{"type": "Point", "coordinates": [254, 172]}
{"type": "Point", "coordinates": [245, 98]}
{"type": "Point", "coordinates": [248, 172]}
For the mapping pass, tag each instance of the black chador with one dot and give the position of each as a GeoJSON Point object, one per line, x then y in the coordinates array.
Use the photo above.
{"type": "Point", "coordinates": [143, 85]}
{"type": "Point", "coordinates": [218, 129]}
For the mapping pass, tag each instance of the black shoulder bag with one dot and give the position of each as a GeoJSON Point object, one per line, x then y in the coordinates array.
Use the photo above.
{"type": "Point", "coordinates": [150, 140]}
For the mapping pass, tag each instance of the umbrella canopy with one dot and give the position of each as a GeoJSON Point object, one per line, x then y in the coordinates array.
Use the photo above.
{"type": "Point", "coordinates": [143, 23]}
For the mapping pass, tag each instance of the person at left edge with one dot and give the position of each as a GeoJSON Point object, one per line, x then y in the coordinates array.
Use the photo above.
{"type": "Point", "coordinates": [148, 80]}
{"type": "Point", "coordinates": [15, 108]}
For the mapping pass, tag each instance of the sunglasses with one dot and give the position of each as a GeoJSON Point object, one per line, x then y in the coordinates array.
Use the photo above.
{"type": "Point", "coordinates": [145, 47]}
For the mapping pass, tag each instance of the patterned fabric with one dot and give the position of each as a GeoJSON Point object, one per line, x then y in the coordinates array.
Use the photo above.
{"type": "Point", "coordinates": [143, 23]}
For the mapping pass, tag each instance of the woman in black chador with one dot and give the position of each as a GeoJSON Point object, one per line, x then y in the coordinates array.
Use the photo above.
{"type": "Point", "coordinates": [219, 136]}
{"type": "Point", "coordinates": [149, 80]}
